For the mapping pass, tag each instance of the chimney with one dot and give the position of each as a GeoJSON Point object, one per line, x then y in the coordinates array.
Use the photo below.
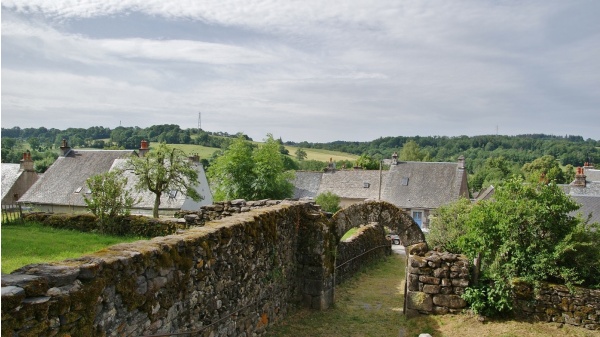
{"type": "Point", "coordinates": [395, 158]}
{"type": "Point", "coordinates": [64, 148]}
{"type": "Point", "coordinates": [194, 158]}
{"type": "Point", "coordinates": [461, 162]}
{"type": "Point", "coordinates": [143, 148]}
{"type": "Point", "coordinates": [579, 178]}
{"type": "Point", "coordinates": [330, 166]}
{"type": "Point", "coordinates": [26, 162]}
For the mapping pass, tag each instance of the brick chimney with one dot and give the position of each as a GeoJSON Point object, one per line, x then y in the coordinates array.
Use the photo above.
{"type": "Point", "coordinates": [26, 162]}
{"type": "Point", "coordinates": [143, 148]}
{"type": "Point", "coordinates": [64, 148]}
{"type": "Point", "coordinates": [395, 158]}
{"type": "Point", "coordinates": [579, 178]}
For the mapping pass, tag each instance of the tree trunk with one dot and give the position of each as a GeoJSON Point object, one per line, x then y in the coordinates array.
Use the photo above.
{"type": "Point", "coordinates": [156, 204]}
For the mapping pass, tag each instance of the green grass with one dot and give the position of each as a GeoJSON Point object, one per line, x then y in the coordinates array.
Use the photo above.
{"type": "Point", "coordinates": [349, 233]}
{"type": "Point", "coordinates": [312, 154]}
{"type": "Point", "coordinates": [203, 151]}
{"type": "Point", "coordinates": [23, 244]}
{"type": "Point", "coordinates": [367, 305]}
{"type": "Point", "coordinates": [371, 304]}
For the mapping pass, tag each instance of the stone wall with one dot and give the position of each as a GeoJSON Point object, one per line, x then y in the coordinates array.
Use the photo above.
{"type": "Point", "coordinates": [233, 276]}
{"type": "Point", "coordinates": [555, 303]}
{"type": "Point", "coordinates": [223, 209]}
{"type": "Point", "coordinates": [367, 246]}
{"type": "Point", "coordinates": [435, 282]}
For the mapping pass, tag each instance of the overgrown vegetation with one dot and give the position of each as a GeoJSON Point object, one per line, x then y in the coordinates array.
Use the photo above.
{"type": "Point", "coordinates": [524, 232]}
{"type": "Point", "coordinates": [109, 198]}
{"type": "Point", "coordinates": [246, 171]}
{"type": "Point", "coordinates": [27, 243]}
{"type": "Point", "coordinates": [329, 201]}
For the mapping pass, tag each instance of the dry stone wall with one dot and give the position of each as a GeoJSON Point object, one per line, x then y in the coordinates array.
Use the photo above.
{"type": "Point", "coordinates": [555, 303]}
{"type": "Point", "coordinates": [367, 246]}
{"type": "Point", "coordinates": [435, 282]}
{"type": "Point", "coordinates": [232, 277]}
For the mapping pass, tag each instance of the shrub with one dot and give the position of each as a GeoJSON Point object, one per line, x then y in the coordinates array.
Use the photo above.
{"type": "Point", "coordinates": [329, 201]}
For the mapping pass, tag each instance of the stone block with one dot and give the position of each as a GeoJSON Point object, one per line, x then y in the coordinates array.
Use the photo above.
{"type": "Point", "coordinates": [413, 282]}
{"type": "Point", "coordinates": [429, 279]}
{"type": "Point", "coordinates": [419, 301]}
{"type": "Point", "coordinates": [431, 289]}
{"type": "Point", "coordinates": [450, 301]}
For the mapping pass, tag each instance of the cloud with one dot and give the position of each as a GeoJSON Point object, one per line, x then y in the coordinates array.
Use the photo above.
{"type": "Point", "coordinates": [310, 70]}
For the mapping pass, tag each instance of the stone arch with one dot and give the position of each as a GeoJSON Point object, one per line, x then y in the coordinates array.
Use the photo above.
{"type": "Point", "coordinates": [382, 212]}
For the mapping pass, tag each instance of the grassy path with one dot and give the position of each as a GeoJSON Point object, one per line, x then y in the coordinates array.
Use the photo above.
{"type": "Point", "coordinates": [371, 305]}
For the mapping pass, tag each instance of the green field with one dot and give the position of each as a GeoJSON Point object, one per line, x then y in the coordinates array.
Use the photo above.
{"type": "Point", "coordinates": [28, 243]}
{"type": "Point", "coordinates": [312, 154]}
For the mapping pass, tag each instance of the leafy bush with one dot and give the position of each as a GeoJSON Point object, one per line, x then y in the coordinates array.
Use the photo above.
{"type": "Point", "coordinates": [489, 298]}
{"type": "Point", "coordinates": [329, 201]}
{"type": "Point", "coordinates": [448, 225]}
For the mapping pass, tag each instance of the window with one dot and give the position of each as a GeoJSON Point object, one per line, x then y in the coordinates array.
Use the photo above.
{"type": "Point", "coordinates": [418, 217]}
{"type": "Point", "coordinates": [366, 185]}
{"type": "Point", "coordinates": [405, 181]}
{"type": "Point", "coordinates": [78, 189]}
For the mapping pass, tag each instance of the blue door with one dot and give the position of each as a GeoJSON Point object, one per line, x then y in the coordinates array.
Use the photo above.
{"type": "Point", "coordinates": [418, 217]}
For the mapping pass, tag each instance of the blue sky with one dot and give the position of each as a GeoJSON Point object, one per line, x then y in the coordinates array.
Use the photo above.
{"type": "Point", "coordinates": [305, 70]}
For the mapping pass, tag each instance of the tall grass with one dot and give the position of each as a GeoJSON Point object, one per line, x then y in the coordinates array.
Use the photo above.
{"type": "Point", "coordinates": [28, 243]}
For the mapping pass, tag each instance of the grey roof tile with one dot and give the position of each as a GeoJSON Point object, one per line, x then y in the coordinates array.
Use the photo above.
{"type": "Point", "coordinates": [10, 175]}
{"type": "Point", "coordinates": [68, 174]}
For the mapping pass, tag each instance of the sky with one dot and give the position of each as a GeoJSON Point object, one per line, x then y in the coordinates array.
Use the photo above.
{"type": "Point", "coordinates": [309, 70]}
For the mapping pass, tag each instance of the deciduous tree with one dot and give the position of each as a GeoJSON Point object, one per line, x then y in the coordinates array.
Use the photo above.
{"type": "Point", "coordinates": [165, 169]}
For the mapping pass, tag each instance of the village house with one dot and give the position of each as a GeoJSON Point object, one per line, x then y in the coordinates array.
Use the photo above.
{"type": "Point", "coordinates": [585, 190]}
{"type": "Point", "coordinates": [17, 179]}
{"type": "Point", "coordinates": [416, 187]}
{"type": "Point", "coordinates": [63, 187]}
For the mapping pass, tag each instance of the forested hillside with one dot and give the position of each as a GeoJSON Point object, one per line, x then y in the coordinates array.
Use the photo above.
{"type": "Point", "coordinates": [488, 157]}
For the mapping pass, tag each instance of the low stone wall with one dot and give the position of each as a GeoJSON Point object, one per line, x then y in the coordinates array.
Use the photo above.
{"type": "Point", "coordinates": [435, 283]}
{"type": "Point", "coordinates": [555, 303]}
{"type": "Point", "coordinates": [223, 209]}
{"type": "Point", "coordinates": [232, 277]}
{"type": "Point", "coordinates": [367, 246]}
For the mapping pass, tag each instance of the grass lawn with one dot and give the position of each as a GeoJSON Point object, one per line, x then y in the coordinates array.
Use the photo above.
{"type": "Point", "coordinates": [371, 304]}
{"type": "Point", "coordinates": [23, 244]}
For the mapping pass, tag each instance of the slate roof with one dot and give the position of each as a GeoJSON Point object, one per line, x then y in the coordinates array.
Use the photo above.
{"type": "Point", "coordinates": [10, 175]}
{"type": "Point", "coordinates": [423, 184]}
{"type": "Point", "coordinates": [589, 205]}
{"type": "Point", "coordinates": [407, 185]}
{"type": "Point", "coordinates": [306, 184]}
{"type": "Point", "coordinates": [68, 174]}
{"type": "Point", "coordinates": [352, 184]}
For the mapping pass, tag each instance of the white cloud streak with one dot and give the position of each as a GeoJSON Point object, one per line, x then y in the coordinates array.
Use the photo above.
{"type": "Point", "coordinates": [311, 70]}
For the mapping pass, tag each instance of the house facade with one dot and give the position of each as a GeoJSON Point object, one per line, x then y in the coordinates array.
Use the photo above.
{"type": "Point", "coordinates": [17, 179]}
{"type": "Point", "coordinates": [416, 187]}
{"type": "Point", "coordinates": [62, 189]}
